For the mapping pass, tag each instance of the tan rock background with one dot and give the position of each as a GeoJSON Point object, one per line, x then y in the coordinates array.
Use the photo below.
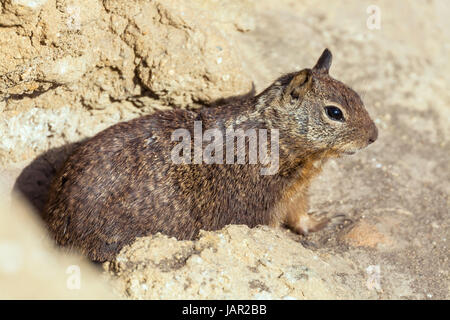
{"type": "Point", "coordinates": [31, 267]}
{"type": "Point", "coordinates": [68, 69]}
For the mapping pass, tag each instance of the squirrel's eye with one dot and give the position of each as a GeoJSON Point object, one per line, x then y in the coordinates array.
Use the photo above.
{"type": "Point", "coordinates": [334, 113]}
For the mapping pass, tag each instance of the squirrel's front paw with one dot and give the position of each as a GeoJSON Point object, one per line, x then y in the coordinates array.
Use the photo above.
{"type": "Point", "coordinates": [313, 222]}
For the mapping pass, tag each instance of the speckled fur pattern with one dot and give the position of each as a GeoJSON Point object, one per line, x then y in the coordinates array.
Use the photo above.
{"type": "Point", "coordinates": [122, 184]}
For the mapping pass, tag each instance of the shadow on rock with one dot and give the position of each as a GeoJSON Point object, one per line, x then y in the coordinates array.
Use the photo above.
{"type": "Point", "coordinates": [34, 181]}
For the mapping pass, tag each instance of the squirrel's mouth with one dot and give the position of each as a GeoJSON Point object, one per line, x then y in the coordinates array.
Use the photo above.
{"type": "Point", "coordinates": [350, 151]}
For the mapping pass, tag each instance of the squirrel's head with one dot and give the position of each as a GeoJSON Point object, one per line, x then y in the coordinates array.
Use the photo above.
{"type": "Point", "coordinates": [321, 112]}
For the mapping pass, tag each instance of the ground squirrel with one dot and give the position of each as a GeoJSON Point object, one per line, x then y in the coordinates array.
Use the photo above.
{"type": "Point", "coordinates": [124, 183]}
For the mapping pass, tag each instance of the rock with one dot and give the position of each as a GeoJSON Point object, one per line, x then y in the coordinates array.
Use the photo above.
{"type": "Point", "coordinates": [123, 58]}
{"type": "Point", "coordinates": [166, 34]}
{"type": "Point", "coordinates": [233, 263]}
{"type": "Point", "coordinates": [32, 268]}
{"type": "Point", "coordinates": [364, 234]}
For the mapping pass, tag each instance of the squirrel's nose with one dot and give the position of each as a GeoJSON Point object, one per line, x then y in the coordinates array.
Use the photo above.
{"type": "Point", "coordinates": [373, 134]}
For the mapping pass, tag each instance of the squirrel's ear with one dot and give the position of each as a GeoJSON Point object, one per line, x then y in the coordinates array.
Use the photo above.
{"type": "Point", "coordinates": [300, 84]}
{"type": "Point", "coordinates": [324, 62]}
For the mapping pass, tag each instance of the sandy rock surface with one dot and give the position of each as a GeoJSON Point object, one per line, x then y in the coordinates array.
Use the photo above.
{"type": "Point", "coordinates": [234, 263]}
{"type": "Point", "coordinates": [69, 69]}
{"type": "Point", "coordinates": [31, 267]}
{"type": "Point", "coordinates": [72, 68]}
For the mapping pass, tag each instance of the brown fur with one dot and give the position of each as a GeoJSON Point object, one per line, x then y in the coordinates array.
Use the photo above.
{"type": "Point", "coordinates": [121, 184]}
